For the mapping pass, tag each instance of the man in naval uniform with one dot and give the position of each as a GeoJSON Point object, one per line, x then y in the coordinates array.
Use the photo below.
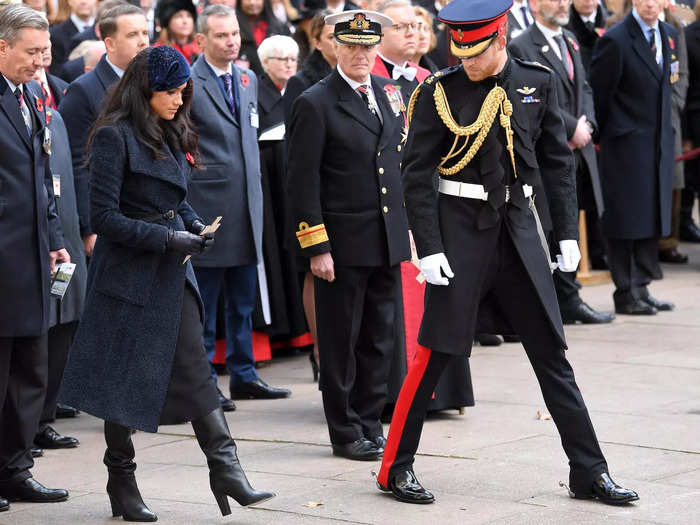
{"type": "Point", "coordinates": [481, 248]}
{"type": "Point", "coordinates": [345, 147]}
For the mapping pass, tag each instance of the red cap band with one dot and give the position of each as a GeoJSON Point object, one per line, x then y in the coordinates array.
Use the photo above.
{"type": "Point", "coordinates": [465, 36]}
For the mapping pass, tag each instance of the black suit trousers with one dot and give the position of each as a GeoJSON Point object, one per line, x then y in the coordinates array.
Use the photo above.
{"type": "Point", "coordinates": [633, 265]}
{"type": "Point", "coordinates": [510, 285]}
{"type": "Point", "coordinates": [59, 342]}
{"type": "Point", "coordinates": [23, 373]}
{"type": "Point", "coordinates": [355, 318]}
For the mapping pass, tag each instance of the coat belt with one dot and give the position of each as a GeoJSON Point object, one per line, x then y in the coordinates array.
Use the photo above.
{"type": "Point", "coordinates": [151, 217]}
{"type": "Point", "coordinates": [475, 191]}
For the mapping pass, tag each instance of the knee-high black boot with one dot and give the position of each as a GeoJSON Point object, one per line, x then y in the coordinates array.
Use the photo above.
{"type": "Point", "coordinates": [122, 490]}
{"type": "Point", "coordinates": [226, 475]}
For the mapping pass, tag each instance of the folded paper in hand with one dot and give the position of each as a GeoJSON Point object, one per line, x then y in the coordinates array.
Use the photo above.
{"type": "Point", "coordinates": [211, 228]}
{"type": "Point", "coordinates": [61, 278]}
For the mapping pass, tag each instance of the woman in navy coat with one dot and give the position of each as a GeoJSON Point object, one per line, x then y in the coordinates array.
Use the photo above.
{"type": "Point", "coordinates": [138, 360]}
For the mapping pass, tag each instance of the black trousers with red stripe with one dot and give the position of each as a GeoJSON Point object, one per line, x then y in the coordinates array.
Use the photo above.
{"type": "Point", "coordinates": [519, 302]}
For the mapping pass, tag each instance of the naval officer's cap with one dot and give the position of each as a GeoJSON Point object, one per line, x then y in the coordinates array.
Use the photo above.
{"type": "Point", "coordinates": [474, 24]}
{"type": "Point", "coordinates": [358, 27]}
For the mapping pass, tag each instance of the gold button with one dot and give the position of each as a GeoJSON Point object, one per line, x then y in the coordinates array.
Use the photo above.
{"type": "Point", "coordinates": [398, 148]}
{"type": "Point", "coordinates": [386, 209]}
{"type": "Point", "coordinates": [381, 171]}
{"type": "Point", "coordinates": [384, 191]}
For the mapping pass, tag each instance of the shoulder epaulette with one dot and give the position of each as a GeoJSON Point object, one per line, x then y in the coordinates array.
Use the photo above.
{"type": "Point", "coordinates": [442, 73]}
{"type": "Point", "coordinates": [534, 65]}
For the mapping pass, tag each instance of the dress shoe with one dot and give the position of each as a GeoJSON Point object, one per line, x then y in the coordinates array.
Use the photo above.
{"type": "Point", "coordinates": [380, 441]}
{"type": "Point", "coordinates": [406, 487]}
{"type": "Point", "coordinates": [4, 505]}
{"type": "Point", "coordinates": [49, 438]}
{"type": "Point", "coordinates": [65, 411]}
{"type": "Point", "coordinates": [511, 338]}
{"type": "Point", "coordinates": [583, 313]}
{"type": "Point", "coordinates": [37, 452]}
{"type": "Point", "coordinates": [635, 307]}
{"type": "Point", "coordinates": [226, 404]}
{"type": "Point", "coordinates": [672, 256]}
{"type": "Point", "coordinates": [607, 491]}
{"type": "Point", "coordinates": [258, 389]}
{"type": "Point", "coordinates": [689, 231]}
{"type": "Point", "coordinates": [361, 450]}
{"type": "Point", "coordinates": [31, 490]}
{"type": "Point", "coordinates": [661, 306]}
{"type": "Point", "coordinates": [489, 339]}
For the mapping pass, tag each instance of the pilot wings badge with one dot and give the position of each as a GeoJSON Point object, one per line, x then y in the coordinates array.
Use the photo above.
{"type": "Point", "coordinates": [526, 90]}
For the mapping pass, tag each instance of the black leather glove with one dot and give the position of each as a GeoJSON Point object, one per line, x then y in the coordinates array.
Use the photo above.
{"type": "Point", "coordinates": [185, 242]}
{"type": "Point", "coordinates": [197, 226]}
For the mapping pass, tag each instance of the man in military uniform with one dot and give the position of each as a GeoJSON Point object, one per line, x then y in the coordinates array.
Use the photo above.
{"type": "Point", "coordinates": [490, 127]}
{"type": "Point", "coordinates": [345, 142]}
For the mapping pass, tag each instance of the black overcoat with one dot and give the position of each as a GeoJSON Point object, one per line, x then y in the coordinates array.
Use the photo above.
{"type": "Point", "coordinates": [467, 230]}
{"type": "Point", "coordinates": [575, 96]}
{"type": "Point", "coordinates": [29, 225]}
{"type": "Point", "coordinates": [344, 174]}
{"type": "Point", "coordinates": [632, 96]}
{"type": "Point", "coordinates": [120, 363]}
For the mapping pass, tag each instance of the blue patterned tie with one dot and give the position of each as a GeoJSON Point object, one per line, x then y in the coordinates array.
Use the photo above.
{"type": "Point", "coordinates": [24, 110]}
{"type": "Point", "coordinates": [228, 86]}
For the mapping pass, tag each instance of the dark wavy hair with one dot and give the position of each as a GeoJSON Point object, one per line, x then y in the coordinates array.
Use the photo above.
{"type": "Point", "coordinates": [128, 102]}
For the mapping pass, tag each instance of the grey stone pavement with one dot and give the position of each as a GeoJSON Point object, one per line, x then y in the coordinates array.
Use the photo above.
{"type": "Point", "coordinates": [495, 464]}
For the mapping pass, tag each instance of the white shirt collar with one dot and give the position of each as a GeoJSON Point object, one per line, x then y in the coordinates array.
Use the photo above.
{"type": "Point", "coordinates": [12, 85]}
{"type": "Point", "coordinates": [353, 83]}
{"type": "Point", "coordinates": [81, 24]}
{"type": "Point", "coordinates": [119, 71]}
{"type": "Point", "coordinates": [548, 33]}
{"type": "Point", "coordinates": [589, 18]}
{"type": "Point", "coordinates": [218, 71]}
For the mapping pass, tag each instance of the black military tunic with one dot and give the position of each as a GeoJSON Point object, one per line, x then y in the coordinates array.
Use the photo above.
{"type": "Point", "coordinates": [467, 230]}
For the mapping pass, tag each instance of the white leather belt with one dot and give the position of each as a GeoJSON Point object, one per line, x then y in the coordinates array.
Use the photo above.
{"type": "Point", "coordinates": [474, 191]}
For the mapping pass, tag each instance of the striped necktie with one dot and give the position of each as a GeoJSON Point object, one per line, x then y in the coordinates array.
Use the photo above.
{"type": "Point", "coordinates": [26, 116]}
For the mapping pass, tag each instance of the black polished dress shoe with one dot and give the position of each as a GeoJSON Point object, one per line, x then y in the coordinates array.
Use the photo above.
{"type": "Point", "coordinates": [361, 450]}
{"type": "Point", "coordinates": [226, 404]}
{"type": "Point", "coordinates": [672, 256]}
{"type": "Point", "coordinates": [583, 313]}
{"type": "Point", "coordinates": [489, 339]}
{"type": "Point", "coordinates": [31, 490]}
{"type": "Point", "coordinates": [258, 389]}
{"type": "Point", "coordinates": [380, 441]}
{"type": "Point", "coordinates": [406, 487]}
{"type": "Point", "coordinates": [689, 231]}
{"type": "Point", "coordinates": [635, 307]}
{"type": "Point", "coordinates": [607, 491]}
{"type": "Point", "coordinates": [37, 452]}
{"type": "Point", "coordinates": [49, 438]}
{"type": "Point", "coordinates": [4, 505]}
{"type": "Point", "coordinates": [65, 411]}
{"type": "Point", "coordinates": [661, 306]}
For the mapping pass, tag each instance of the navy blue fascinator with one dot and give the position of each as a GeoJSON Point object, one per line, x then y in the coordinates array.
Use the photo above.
{"type": "Point", "coordinates": [167, 68]}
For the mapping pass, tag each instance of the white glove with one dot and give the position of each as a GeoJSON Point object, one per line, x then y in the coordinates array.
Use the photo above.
{"type": "Point", "coordinates": [570, 256]}
{"type": "Point", "coordinates": [431, 266]}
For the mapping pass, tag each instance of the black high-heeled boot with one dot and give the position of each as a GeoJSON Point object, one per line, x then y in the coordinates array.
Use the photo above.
{"type": "Point", "coordinates": [226, 476]}
{"type": "Point", "coordinates": [314, 366]}
{"type": "Point", "coordinates": [122, 490]}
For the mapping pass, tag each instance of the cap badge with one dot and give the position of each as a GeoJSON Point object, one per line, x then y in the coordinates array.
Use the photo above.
{"type": "Point", "coordinates": [359, 22]}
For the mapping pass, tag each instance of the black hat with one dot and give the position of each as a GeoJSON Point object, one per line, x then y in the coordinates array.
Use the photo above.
{"type": "Point", "coordinates": [358, 27]}
{"type": "Point", "coordinates": [309, 9]}
{"type": "Point", "coordinates": [166, 9]}
{"type": "Point", "coordinates": [474, 24]}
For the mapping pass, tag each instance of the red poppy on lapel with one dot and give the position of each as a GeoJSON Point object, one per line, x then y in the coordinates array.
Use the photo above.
{"type": "Point", "coordinates": [245, 79]}
{"type": "Point", "coordinates": [48, 117]}
{"type": "Point", "coordinates": [189, 158]}
{"type": "Point", "coordinates": [39, 104]}
{"type": "Point", "coordinates": [574, 44]}
{"type": "Point", "coordinates": [600, 31]}
{"type": "Point", "coordinates": [671, 43]}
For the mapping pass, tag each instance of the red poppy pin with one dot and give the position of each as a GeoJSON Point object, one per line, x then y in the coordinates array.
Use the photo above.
{"type": "Point", "coordinates": [189, 158]}
{"type": "Point", "coordinates": [48, 117]}
{"type": "Point", "coordinates": [671, 43]}
{"type": "Point", "coordinates": [574, 44]}
{"type": "Point", "coordinates": [245, 79]}
{"type": "Point", "coordinates": [600, 31]}
{"type": "Point", "coordinates": [39, 104]}
{"type": "Point", "coordinates": [390, 89]}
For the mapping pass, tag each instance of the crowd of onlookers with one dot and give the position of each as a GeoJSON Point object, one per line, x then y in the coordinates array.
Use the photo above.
{"type": "Point", "coordinates": [286, 44]}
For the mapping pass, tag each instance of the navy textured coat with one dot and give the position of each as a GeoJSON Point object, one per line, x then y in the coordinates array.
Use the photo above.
{"type": "Point", "coordinates": [120, 363]}
{"type": "Point", "coordinates": [632, 98]}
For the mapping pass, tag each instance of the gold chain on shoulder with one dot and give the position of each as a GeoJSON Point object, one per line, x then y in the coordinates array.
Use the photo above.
{"type": "Point", "coordinates": [496, 100]}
